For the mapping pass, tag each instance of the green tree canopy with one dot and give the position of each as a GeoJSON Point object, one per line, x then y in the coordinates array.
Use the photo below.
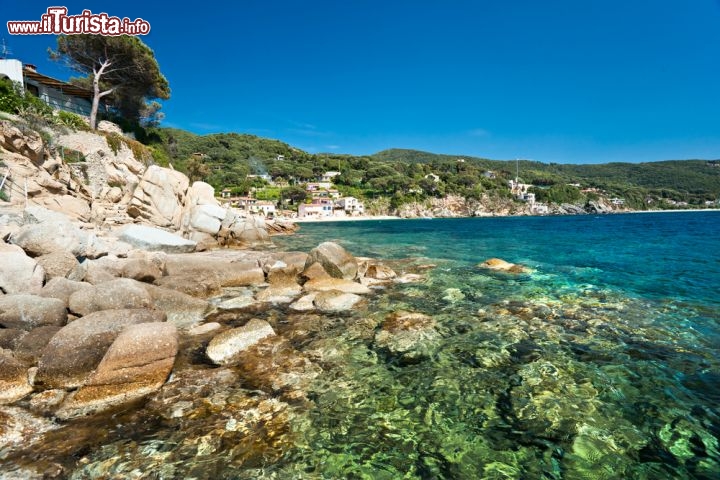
{"type": "Point", "coordinates": [121, 67]}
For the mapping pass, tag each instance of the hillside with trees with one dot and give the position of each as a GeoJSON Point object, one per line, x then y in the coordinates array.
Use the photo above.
{"type": "Point", "coordinates": [225, 160]}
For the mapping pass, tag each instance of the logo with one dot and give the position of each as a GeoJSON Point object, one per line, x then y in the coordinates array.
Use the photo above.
{"type": "Point", "coordinates": [56, 21]}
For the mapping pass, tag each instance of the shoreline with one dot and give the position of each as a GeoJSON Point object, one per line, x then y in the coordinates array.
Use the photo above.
{"type": "Point", "coordinates": [394, 217]}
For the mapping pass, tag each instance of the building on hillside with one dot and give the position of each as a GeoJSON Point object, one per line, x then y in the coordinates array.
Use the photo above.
{"type": "Point", "coordinates": [317, 186]}
{"type": "Point", "coordinates": [56, 93]}
{"type": "Point", "coordinates": [520, 191]}
{"type": "Point", "coordinates": [246, 203]}
{"type": "Point", "coordinates": [617, 201]}
{"type": "Point", "coordinates": [225, 193]}
{"type": "Point", "coordinates": [489, 174]}
{"type": "Point", "coordinates": [328, 176]}
{"type": "Point", "coordinates": [351, 205]}
{"type": "Point", "coordinates": [318, 208]}
{"type": "Point", "coordinates": [263, 207]}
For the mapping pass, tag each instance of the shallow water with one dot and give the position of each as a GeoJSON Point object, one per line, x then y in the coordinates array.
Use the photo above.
{"type": "Point", "coordinates": [601, 363]}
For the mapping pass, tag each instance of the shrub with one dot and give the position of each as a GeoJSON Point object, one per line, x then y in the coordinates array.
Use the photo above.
{"type": "Point", "coordinates": [71, 156]}
{"type": "Point", "coordinates": [71, 120]}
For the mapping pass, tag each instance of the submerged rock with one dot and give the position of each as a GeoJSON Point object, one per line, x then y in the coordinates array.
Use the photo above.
{"type": "Point", "coordinates": [225, 348]}
{"type": "Point", "coordinates": [500, 265]}
{"type": "Point", "coordinates": [409, 336]}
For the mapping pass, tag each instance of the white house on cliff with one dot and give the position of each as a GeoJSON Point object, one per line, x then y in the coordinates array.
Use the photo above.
{"type": "Point", "coordinates": [56, 93]}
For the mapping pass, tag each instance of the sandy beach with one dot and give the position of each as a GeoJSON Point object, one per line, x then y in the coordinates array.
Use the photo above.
{"type": "Point", "coordinates": [342, 219]}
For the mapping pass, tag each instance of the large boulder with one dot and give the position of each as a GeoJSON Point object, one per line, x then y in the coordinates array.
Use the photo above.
{"type": "Point", "coordinates": [18, 272]}
{"type": "Point", "coordinates": [237, 230]}
{"type": "Point", "coordinates": [228, 273]}
{"type": "Point", "coordinates": [137, 363]}
{"type": "Point", "coordinates": [183, 310]}
{"type": "Point", "coordinates": [334, 259]}
{"type": "Point", "coordinates": [202, 212]}
{"type": "Point", "coordinates": [62, 289]}
{"type": "Point", "coordinates": [340, 285]}
{"type": "Point", "coordinates": [74, 207]}
{"type": "Point", "coordinates": [225, 347]}
{"type": "Point", "coordinates": [334, 301]}
{"type": "Point", "coordinates": [76, 350]}
{"type": "Point", "coordinates": [49, 237]}
{"type": "Point", "coordinates": [14, 383]}
{"type": "Point", "coordinates": [30, 348]}
{"type": "Point", "coordinates": [10, 337]}
{"type": "Point", "coordinates": [141, 269]}
{"type": "Point", "coordinates": [28, 144]}
{"type": "Point", "coordinates": [60, 264]}
{"type": "Point", "coordinates": [31, 311]}
{"type": "Point", "coordinates": [154, 239]}
{"type": "Point", "coordinates": [159, 197]}
{"type": "Point", "coordinates": [121, 293]}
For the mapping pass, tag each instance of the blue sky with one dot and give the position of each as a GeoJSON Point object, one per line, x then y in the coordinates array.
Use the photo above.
{"type": "Point", "coordinates": [564, 81]}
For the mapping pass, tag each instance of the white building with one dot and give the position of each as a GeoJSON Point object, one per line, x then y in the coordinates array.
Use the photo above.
{"type": "Point", "coordinates": [263, 207]}
{"type": "Point", "coordinates": [351, 205]}
{"type": "Point", "coordinates": [328, 176]}
{"type": "Point", "coordinates": [318, 208]}
{"type": "Point", "coordinates": [56, 93]}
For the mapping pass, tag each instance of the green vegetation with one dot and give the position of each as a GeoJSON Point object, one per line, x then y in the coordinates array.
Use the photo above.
{"type": "Point", "coordinates": [401, 176]}
{"type": "Point", "coordinates": [121, 68]}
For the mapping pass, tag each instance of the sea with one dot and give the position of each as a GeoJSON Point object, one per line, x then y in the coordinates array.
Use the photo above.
{"type": "Point", "coordinates": [602, 362]}
{"type": "Point", "coordinates": [599, 361]}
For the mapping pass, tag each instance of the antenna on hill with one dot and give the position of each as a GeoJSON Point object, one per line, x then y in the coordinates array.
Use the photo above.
{"type": "Point", "coordinates": [5, 52]}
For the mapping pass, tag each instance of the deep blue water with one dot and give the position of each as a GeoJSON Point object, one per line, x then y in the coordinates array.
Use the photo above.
{"type": "Point", "coordinates": [654, 255]}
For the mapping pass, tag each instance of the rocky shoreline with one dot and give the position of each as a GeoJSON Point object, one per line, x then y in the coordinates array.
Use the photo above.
{"type": "Point", "coordinates": [117, 299]}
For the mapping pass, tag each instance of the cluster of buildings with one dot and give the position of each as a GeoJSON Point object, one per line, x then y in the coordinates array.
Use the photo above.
{"type": "Point", "coordinates": [323, 201]}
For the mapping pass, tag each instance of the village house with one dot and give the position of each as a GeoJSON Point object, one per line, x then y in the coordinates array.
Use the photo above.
{"type": "Point", "coordinates": [318, 208]}
{"type": "Point", "coordinates": [56, 93]}
{"type": "Point", "coordinates": [351, 205]}
{"type": "Point", "coordinates": [520, 191]}
{"type": "Point", "coordinates": [328, 176]}
{"type": "Point", "coordinates": [263, 207]}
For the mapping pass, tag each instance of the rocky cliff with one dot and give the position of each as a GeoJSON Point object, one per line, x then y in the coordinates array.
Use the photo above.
{"type": "Point", "coordinates": [107, 181]}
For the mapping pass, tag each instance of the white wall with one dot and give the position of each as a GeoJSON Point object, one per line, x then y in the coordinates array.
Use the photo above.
{"type": "Point", "coordinates": [12, 69]}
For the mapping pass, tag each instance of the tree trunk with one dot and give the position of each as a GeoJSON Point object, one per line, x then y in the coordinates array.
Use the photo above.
{"type": "Point", "coordinates": [97, 94]}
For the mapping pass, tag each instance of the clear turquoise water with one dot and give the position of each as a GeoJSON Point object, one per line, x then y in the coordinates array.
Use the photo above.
{"type": "Point", "coordinates": [602, 363]}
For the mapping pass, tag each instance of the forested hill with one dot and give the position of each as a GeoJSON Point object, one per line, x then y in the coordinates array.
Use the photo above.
{"type": "Point", "coordinates": [692, 176]}
{"type": "Point", "coordinates": [224, 160]}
